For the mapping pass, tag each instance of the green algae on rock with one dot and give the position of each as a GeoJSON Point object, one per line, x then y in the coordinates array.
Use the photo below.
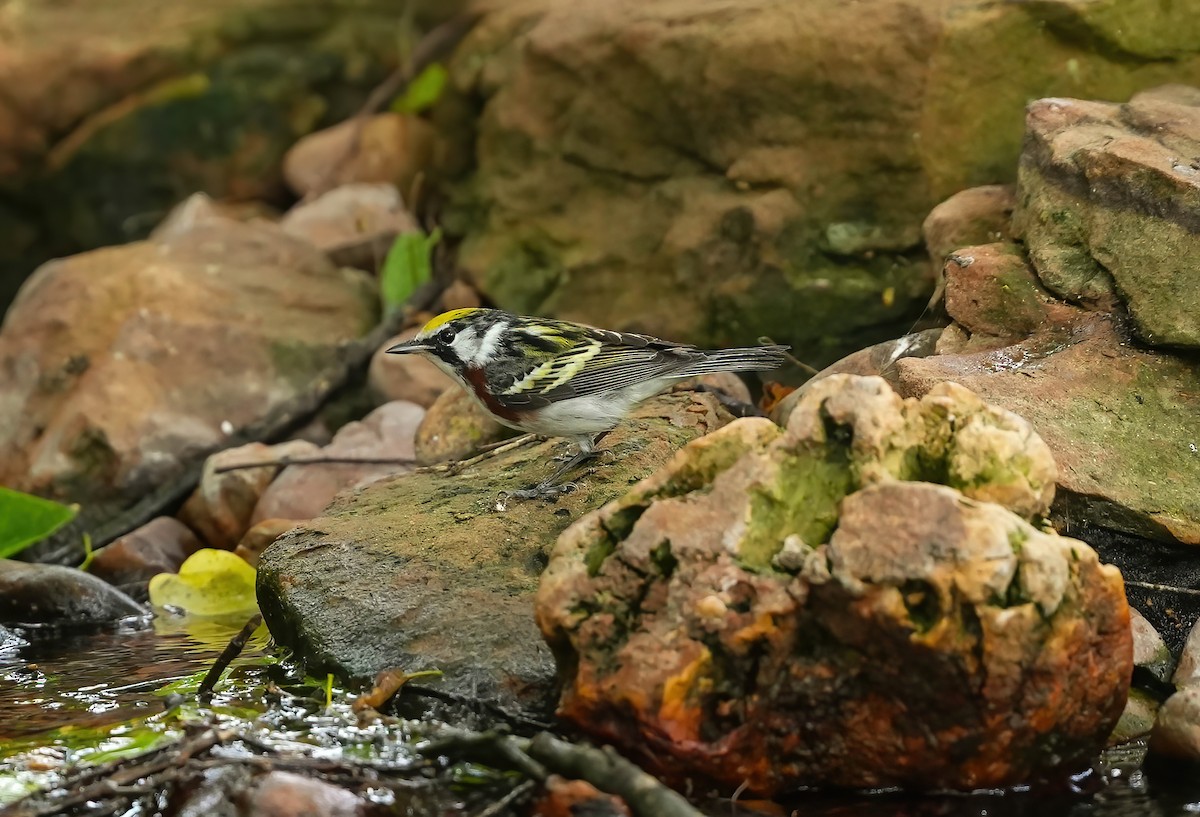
{"type": "Point", "coordinates": [786, 607]}
{"type": "Point", "coordinates": [677, 168]}
{"type": "Point", "coordinates": [1121, 421]}
{"type": "Point", "coordinates": [1110, 206]}
{"type": "Point", "coordinates": [438, 569]}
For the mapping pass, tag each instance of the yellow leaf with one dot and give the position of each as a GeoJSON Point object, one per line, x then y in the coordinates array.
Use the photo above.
{"type": "Point", "coordinates": [210, 583]}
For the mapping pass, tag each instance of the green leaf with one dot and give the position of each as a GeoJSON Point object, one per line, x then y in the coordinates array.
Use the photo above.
{"type": "Point", "coordinates": [423, 92]}
{"type": "Point", "coordinates": [210, 583]}
{"type": "Point", "coordinates": [409, 264]}
{"type": "Point", "coordinates": [26, 519]}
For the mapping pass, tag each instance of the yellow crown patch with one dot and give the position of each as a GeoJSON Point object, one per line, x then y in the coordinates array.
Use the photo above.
{"type": "Point", "coordinates": [446, 317]}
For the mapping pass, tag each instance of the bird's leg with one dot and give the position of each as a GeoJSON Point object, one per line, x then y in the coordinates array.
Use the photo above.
{"type": "Point", "coordinates": [550, 487]}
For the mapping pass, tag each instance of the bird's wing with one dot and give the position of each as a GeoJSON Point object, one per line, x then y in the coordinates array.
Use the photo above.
{"type": "Point", "coordinates": [598, 361]}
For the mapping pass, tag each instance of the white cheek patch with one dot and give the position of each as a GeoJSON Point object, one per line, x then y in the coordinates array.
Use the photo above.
{"type": "Point", "coordinates": [479, 350]}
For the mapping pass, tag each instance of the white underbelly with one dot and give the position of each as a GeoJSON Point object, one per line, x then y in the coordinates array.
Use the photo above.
{"type": "Point", "coordinates": [589, 415]}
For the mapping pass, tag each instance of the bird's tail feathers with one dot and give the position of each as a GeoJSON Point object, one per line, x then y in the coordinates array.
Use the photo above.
{"type": "Point", "coordinates": [749, 359]}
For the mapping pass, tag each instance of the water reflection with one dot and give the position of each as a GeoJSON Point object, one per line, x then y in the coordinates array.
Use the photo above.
{"type": "Point", "coordinates": [85, 679]}
{"type": "Point", "coordinates": [72, 698]}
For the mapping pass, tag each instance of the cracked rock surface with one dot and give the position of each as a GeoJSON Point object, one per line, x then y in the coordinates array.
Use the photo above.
{"type": "Point", "coordinates": [863, 599]}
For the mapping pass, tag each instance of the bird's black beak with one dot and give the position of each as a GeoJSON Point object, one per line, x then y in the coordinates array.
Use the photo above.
{"type": "Point", "coordinates": [408, 347]}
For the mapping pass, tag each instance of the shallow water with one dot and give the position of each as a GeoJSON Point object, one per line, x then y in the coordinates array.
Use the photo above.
{"type": "Point", "coordinates": [72, 699]}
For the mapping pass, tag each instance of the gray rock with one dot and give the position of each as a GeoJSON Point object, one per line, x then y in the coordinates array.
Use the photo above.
{"type": "Point", "coordinates": [1188, 669]}
{"type": "Point", "coordinates": [1137, 719]}
{"type": "Point", "coordinates": [1176, 732]}
{"type": "Point", "coordinates": [51, 594]}
{"type": "Point", "coordinates": [1149, 650]}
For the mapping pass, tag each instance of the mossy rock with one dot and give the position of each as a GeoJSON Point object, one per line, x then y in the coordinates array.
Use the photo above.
{"type": "Point", "coordinates": [438, 568]}
{"type": "Point", "coordinates": [713, 178]}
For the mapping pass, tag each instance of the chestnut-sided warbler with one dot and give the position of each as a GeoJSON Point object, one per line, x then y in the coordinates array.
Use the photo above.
{"type": "Point", "coordinates": [560, 379]}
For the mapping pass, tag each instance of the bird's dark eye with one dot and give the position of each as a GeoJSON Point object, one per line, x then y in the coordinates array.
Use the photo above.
{"type": "Point", "coordinates": [446, 336]}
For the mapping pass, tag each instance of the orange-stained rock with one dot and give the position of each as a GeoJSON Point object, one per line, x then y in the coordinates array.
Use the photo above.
{"type": "Point", "coordinates": [994, 295]}
{"type": "Point", "coordinates": [573, 798]}
{"type": "Point", "coordinates": [260, 537]}
{"type": "Point", "coordinates": [406, 377]}
{"type": "Point", "coordinates": [392, 148]}
{"type": "Point", "coordinates": [455, 428]}
{"type": "Point", "coordinates": [303, 491]}
{"type": "Point", "coordinates": [977, 215]}
{"type": "Point", "coordinates": [804, 607]}
{"type": "Point", "coordinates": [159, 546]}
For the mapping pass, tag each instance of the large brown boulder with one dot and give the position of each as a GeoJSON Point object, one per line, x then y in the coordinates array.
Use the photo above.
{"type": "Point", "coordinates": [124, 366]}
{"type": "Point", "coordinates": [785, 607]}
{"type": "Point", "coordinates": [713, 172]}
{"type": "Point", "coordinates": [115, 111]}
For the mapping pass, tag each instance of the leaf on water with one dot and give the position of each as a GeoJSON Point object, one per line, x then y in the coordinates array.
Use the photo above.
{"type": "Point", "coordinates": [187, 685]}
{"type": "Point", "coordinates": [26, 520]}
{"type": "Point", "coordinates": [409, 264]}
{"type": "Point", "coordinates": [210, 583]}
{"type": "Point", "coordinates": [423, 92]}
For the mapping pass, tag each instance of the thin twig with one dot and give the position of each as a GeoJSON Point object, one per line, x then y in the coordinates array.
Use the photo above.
{"type": "Point", "coordinates": [507, 800]}
{"type": "Point", "coordinates": [284, 462]}
{"type": "Point", "coordinates": [1187, 591]}
{"type": "Point", "coordinates": [78, 791]}
{"type": "Point", "coordinates": [790, 358]}
{"type": "Point", "coordinates": [487, 452]}
{"type": "Point", "coordinates": [484, 452]}
{"type": "Point", "coordinates": [232, 650]}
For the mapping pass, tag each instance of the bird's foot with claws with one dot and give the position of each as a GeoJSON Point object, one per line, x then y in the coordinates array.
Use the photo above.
{"type": "Point", "coordinates": [545, 491]}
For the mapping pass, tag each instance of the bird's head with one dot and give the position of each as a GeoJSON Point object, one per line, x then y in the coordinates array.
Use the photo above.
{"type": "Point", "coordinates": [458, 339]}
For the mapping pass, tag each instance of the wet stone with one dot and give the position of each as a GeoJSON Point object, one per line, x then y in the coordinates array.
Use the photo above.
{"type": "Point", "coordinates": [51, 594]}
{"type": "Point", "coordinates": [284, 794]}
